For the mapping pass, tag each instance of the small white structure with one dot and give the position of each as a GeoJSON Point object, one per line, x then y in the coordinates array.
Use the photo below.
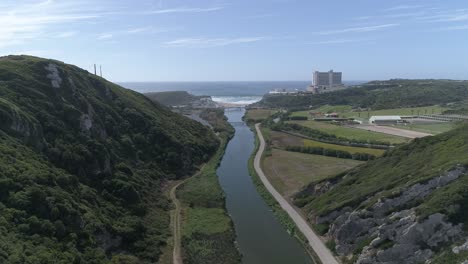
{"type": "Point", "coordinates": [385, 120]}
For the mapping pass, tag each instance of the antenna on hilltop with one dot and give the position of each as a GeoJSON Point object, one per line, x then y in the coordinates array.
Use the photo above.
{"type": "Point", "coordinates": [100, 70]}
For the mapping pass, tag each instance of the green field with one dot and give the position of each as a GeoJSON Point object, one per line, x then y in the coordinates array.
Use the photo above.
{"type": "Point", "coordinates": [435, 109]}
{"type": "Point", "coordinates": [207, 231]}
{"type": "Point", "coordinates": [352, 150]}
{"type": "Point", "coordinates": [351, 133]}
{"type": "Point", "coordinates": [289, 171]}
{"type": "Point", "coordinates": [346, 111]}
{"type": "Point", "coordinates": [431, 128]}
{"type": "Point", "coordinates": [283, 140]}
{"type": "Point", "coordinates": [259, 114]}
{"type": "Point", "coordinates": [324, 109]}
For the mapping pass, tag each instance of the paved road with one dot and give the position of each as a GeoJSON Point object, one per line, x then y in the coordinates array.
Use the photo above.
{"type": "Point", "coordinates": [315, 242]}
{"type": "Point", "coordinates": [394, 131]}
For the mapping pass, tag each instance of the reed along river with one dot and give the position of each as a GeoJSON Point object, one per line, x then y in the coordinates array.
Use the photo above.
{"type": "Point", "coordinates": [260, 236]}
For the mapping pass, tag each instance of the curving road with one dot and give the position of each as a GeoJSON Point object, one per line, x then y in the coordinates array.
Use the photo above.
{"type": "Point", "coordinates": [315, 242]}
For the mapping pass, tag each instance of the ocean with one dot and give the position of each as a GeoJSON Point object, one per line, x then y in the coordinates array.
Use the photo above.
{"type": "Point", "coordinates": [226, 92]}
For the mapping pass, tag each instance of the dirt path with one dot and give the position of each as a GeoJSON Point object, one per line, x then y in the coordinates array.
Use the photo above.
{"type": "Point", "coordinates": [177, 253]}
{"type": "Point", "coordinates": [314, 240]}
{"type": "Point", "coordinates": [394, 131]}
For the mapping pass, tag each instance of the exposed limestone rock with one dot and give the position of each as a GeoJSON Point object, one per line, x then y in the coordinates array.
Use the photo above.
{"type": "Point", "coordinates": [416, 191]}
{"type": "Point", "coordinates": [54, 75]}
{"type": "Point", "coordinates": [86, 123]}
{"type": "Point", "coordinates": [397, 237]}
{"type": "Point", "coordinates": [332, 216]}
{"type": "Point", "coordinates": [413, 242]}
{"type": "Point", "coordinates": [458, 249]}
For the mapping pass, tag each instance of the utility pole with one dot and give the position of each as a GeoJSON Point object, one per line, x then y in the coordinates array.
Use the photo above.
{"type": "Point", "coordinates": [100, 69]}
{"type": "Point", "coordinates": [95, 69]}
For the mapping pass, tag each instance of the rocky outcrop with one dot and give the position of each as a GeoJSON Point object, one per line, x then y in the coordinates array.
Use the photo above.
{"type": "Point", "coordinates": [54, 75]}
{"type": "Point", "coordinates": [389, 231]}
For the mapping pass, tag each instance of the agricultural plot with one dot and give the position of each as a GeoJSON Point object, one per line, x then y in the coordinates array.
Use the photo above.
{"type": "Point", "coordinates": [351, 133]}
{"type": "Point", "coordinates": [259, 114]}
{"type": "Point", "coordinates": [431, 128]}
{"type": "Point", "coordinates": [435, 109]}
{"type": "Point", "coordinates": [283, 140]}
{"type": "Point", "coordinates": [289, 172]}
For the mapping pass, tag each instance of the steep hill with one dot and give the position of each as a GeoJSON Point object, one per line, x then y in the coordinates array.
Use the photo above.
{"type": "Point", "coordinates": [379, 95]}
{"type": "Point", "coordinates": [406, 207]}
{"type": "Point", "coordinates": [182, 98]}
{"type": "Point", "coordinates": [82, 163]}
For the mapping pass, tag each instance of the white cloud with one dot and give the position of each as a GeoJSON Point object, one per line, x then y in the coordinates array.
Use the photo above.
{"type": "Point", "coordinates": [337, 41]}
{"type": "Point", "coordinates": [105, 36]}
{"type": "Point", "coordinates": [454, 28]}
{"type": "Point", "coordinates": [357, 29]}
{"type": "Point", "coordinates": [68, 34]}
{"type": "Point", "coordinates": [403, 7]}
{"type": "Point", "coordinates": [447, 16]}
{"type": "Point", "coordinates": [184, 10]}
{"type": "Point", "coordinates": [24, 22]}
{"type": "Point", "coordinates": [210, 42]}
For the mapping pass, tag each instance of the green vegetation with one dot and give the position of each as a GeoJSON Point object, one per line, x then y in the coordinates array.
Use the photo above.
{"type": "Point", "coordinates": [320, 135]}
{"type": "Point", "coordinates": [352, 150]}
{"type": "Point", "coordinates": [326, 109]}
{"type": "Point", "coordinates": [207, 232]}
{"type": "Point", "coordinates": [289, 172]}
{"type": "Point", "coordinates": [280, 214]}
{"type": "Point", "coordinates": [408, 111]}
{"type": "Point", "coordinates": [406, 165]}
{"type": "Point", "coordinates": [82, 165]}
{"type": "Point", "coordinates": [448, 257]}
{"type": "Point", "coordinates": [351, 133]}
{"type": "Point", "coordinates": [378, 95]}
{"type": "Point", "coordinates": [431, 128]}
{"type": "Point", "coordinates": [217, 120]}
{"type": "Point", "coordinates": [331, 153]}
{"type": "Point", "coordinates": [258, 115]}
{"type": "Point", "coordinates": [173, 98]}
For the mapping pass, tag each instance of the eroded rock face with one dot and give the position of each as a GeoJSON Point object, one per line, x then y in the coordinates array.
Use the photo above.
{"type": "Point", "coordinates": [54, 75]}
{"type": "Point", "coordinates": [412, 242]}
{"type": "Point", "coordinates": [396, 237]}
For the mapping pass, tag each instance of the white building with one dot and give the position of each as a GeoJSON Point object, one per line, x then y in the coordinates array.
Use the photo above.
{"type": "Point", "coordinates": [385, 120]}
{"type": "Point", "coordinates": [326, 82]}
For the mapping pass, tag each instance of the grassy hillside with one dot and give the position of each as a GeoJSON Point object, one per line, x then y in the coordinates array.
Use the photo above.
{"type": "Point", "coordinates": [379, 95]}
{"type": "Point", "coordinates": [173, 98]}
{"type": "Point", "coordinates": [404, 166]}
{"type": "Point", "coordinates": [82, 163]}
{"type": "Point", "coordinates": [385, 206]}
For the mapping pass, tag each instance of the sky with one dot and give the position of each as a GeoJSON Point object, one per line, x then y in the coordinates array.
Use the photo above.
{"type": "Point", "coordinates": [243, 40]}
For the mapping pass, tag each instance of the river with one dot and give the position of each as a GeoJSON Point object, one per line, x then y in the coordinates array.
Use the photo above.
{"type": "Point", "coordinates": [261, 238]}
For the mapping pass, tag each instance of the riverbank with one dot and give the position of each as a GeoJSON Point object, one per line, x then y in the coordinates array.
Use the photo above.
{"type": "Point", "coordinates": [260, 235]}
{"type": "Point", "coordinates": [314, 241]}
{"type": "Point", "coordinates": [207, 233]}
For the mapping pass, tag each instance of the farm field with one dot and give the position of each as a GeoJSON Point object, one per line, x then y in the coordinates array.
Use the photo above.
{"type": "Point", "coordinates": [346, 111]}
{"type": "Point", "coordinates": [324, 109]}
{"type": "Point", "coordinates": [259, 114]}
{"type": "Point", "coordinates": [351, 133]}
{"type": "Point", "coordinates": [435, 109]}
{"type": "Point", "coordinates": [289, 171]}
{"type": "Point", "coordinates": [432, 128]}
{"type": "Point", "coordinates": [282, 140]}
{"type": "Point", "coordinates": [352, 150]}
